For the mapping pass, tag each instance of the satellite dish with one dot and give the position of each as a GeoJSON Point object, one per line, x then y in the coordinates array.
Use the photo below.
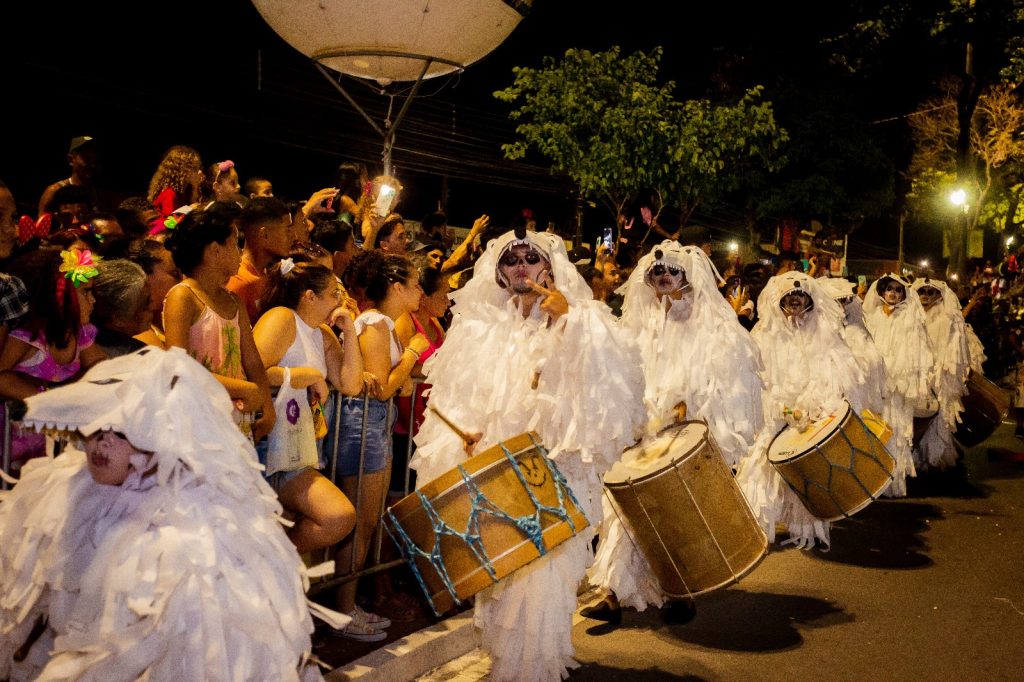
{"type": "Point", "coordinates": [393, 40]}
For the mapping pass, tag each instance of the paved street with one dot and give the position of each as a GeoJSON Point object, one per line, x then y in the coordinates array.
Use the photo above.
{"type": "Point", "coordinates": [924, 588]}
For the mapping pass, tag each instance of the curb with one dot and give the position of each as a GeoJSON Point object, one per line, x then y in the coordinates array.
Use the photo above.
{"type": "Point", "coordinates": [426, 650]}
{"type": "Point", "coordinates": [414, 655]}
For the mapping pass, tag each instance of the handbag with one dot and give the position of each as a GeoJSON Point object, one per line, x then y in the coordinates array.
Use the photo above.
{"type": "Point", "coordinates": [292, 444]}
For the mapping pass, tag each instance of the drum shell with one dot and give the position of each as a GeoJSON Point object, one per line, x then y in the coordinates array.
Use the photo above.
{"type": "Point", "coordinates": [985, 405]}
{"type": "Point", "coordinates": [691, 521]}
{"type": "Point", "coordinates": [507, 547]}
{"type": "Point", "coordinates": [840, 474]}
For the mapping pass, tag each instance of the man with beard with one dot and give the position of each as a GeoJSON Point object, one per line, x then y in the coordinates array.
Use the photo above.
{"type": "Point", "coordinates": [529, 349]}
{"type": "Point", "coordinates": [949, 341]}
{"type": "Point", "coordinates": [698, 363]}
{"type": "Point", "coordinates": [895, 318]}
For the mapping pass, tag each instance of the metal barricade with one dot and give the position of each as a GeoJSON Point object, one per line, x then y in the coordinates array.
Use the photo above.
{"type": "Point", "coordinates": [374, 566]}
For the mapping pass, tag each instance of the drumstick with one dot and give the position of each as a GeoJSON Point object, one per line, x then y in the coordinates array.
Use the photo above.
{"type": "Point", "coordinates": [458, 432]}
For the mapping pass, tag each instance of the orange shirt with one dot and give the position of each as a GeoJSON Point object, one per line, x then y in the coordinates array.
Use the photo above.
{"type": "Point", "coordinates": [250, 285]}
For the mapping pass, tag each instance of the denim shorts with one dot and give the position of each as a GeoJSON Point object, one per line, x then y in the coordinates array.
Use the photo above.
{"type": "Point", "coordinates": [378, 436]}
{"type": "Point", "coordinates": [278, 478]}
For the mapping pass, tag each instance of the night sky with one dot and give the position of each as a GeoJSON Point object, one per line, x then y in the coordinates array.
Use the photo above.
{"type": "Point", "coordinates": [214, 76]}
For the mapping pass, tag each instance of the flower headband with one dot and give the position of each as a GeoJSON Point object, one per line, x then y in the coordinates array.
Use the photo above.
{"type": "Point", "coordinates": [79, 266]}
{"type": "Point", "coordinates": [225, 166]}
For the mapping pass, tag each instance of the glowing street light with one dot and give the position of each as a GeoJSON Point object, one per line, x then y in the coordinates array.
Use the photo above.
{"type": "Point", "coordinates": [1009, 241]}
{"type": "Point", "coordinates": [734, 247]}
{"type": "Point", "coordinates": [924, 262]}
{"type": "Point", "coordinates": [958, 197]}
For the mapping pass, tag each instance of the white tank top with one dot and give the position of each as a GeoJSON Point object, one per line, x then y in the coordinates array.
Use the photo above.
{"type": "Point", "coordinates": [373, 317]}
{"type": "Point", "coordinates": [307, 350]}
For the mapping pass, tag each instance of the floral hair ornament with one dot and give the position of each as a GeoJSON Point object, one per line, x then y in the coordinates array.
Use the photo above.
{"type": "Point", "coordinates": [225, 166]}
{"type": "Point", "coordinates": [79, 266]}
{"type": "Point", "coordinates": [287, 265]}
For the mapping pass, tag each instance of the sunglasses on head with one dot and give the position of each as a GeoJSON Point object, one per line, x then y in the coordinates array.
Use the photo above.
{"type": "Point", "coordinates": [659, 269]}
{"type": "Point", "coordinates": [510, 259]}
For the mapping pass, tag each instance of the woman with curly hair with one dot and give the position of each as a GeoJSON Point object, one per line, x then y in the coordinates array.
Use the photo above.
{"type": "Point", "coordinates": [177, 180]}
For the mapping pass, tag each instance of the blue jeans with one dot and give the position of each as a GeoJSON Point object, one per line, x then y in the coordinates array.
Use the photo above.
{"type": "Point", "coordinates": [377, 454]}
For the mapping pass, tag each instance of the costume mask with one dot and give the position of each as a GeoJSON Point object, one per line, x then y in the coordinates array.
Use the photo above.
{"type": "Point", "coordinates": [929, 296]}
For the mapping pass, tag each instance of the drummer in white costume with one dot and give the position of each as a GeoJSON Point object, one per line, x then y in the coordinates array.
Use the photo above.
{"type": "Point", "coordinates": [856, 333]}
{"type": "Point", "coordinates": [158, 552]}
{"type": "Point", "coordinates": [949, 340]}
{"type": "Point", "coordinates": [808, 371]}
{"type": "Point", "coordinates": [698, 362]}
{"type": "Point", "coordinates": [529, 349]}
{"type": "Point", "coordinates": [895, 318]}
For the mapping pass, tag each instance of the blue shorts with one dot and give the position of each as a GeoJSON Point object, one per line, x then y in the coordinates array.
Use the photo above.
{"type": "Point", "coordinates": [377, 453]}
{"type": "Point", "coordinates": [278, 478]}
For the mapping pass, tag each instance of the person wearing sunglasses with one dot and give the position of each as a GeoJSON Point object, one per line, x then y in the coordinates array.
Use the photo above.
{"type": "Point", "coordinates": [948, 335]}
{"type": "Point", "coordinates": [894, 316]}
{"type": "Point", "coordinates": [698, 363]}
{"type": "Point", "coordinates": [530, 349]}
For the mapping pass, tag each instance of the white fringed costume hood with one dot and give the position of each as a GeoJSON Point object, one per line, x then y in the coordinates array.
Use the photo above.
{"type": "Point", "coordinates": [692, 350]}
{"type": "Point", "coordinates": [808, 369]}
{"type": "Point", "coordinates": [949, 339]}
{"type": "Point", "coordinates": [182, 572]}
{"type": "Point", "coordinates": [901, 337]}
{"type": "Point", "coordinates": [577, 383]}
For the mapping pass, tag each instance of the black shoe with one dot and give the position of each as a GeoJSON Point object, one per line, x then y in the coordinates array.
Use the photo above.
{"type": "Point", "coordinates": [603, 611]}
{"type": "Point", "coordinates": [678, 612]}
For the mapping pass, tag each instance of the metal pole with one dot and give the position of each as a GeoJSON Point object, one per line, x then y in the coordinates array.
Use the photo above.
{"type": "Point", "coordinates": [6, 462]}
{"type": "Point", "coordinates": [899, 258]}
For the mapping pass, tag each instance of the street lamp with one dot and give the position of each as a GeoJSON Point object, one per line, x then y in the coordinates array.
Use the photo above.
{"type": "Point", "coordinates": [924, 262]}
{"type": "Point", "coordinates": [958, 197]}
{"type": "Point", "coordinates": [734, 247]}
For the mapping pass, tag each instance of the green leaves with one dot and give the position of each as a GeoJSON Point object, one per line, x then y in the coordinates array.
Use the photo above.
{"type": "Point", "coordinates": [603, 119]}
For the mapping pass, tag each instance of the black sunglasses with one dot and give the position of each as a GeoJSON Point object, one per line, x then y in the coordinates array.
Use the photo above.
{"type": "Point", "coordinates": [510, 259]}
{"type": "Point", "coordinates": [659, 269]}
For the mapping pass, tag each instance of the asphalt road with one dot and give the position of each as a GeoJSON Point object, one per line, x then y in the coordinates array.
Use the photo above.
{"type": "Point", "coordinates": [928, 587]}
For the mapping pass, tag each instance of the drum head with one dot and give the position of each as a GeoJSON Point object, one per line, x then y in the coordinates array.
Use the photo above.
{"type": "Point", "coordinates": [926, 408]}
{"type": "Point", "coordinates": [791, 442]}
{"type": "Point", "coordinates": [654, 454]}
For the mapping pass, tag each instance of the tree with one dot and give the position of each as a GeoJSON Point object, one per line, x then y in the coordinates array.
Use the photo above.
{"type": "Point", "coordinates": [604, 121]}
{"type": "Point", "coordinates": [981, 42]}
{"type": "Point", "coordinates": [996, 151]}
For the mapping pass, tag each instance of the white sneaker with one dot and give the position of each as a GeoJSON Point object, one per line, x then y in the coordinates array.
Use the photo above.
{"type": "Point", "coordinates": [359, 630]}
{"type": "Point", "coordinates": [371, 619]}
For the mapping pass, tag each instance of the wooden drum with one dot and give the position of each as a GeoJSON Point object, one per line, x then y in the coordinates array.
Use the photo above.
{"type": "Point", "coordinates": [680, 503]}
{"type": "Point", "coordinates": [477, 523]}
{"type": "Point", "coordinates": [837, 466]}
{"type": "Point", "coordinates": [985, 405]}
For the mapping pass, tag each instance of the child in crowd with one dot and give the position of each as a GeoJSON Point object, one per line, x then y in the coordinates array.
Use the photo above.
{"type": "Point", "coordinates": [176, 181]}
{"type": "Point", "coordinates": [221, 183]}
{"type": "Point", "coordinates": [203, 317]}
{"type": "Point", "coordinates": [258, 187]}
{"type": "Point", "coordinates": [151, 548]}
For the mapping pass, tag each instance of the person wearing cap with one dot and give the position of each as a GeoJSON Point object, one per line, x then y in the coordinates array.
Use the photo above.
{"type": "Point", "coordinates": [698, 364]}
{"type": "Point", "coordinates": [894, 316]}
{"type": "Point", "coordinates": [84, 162]}
{"type": "Point", "coordinates": [808, 372]}
{"type": "Point", "coordinates": [530, 350]}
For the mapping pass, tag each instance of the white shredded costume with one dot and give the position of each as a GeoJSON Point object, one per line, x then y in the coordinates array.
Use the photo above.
{"type": "Point", "coordinates": [947, 332]}
{"type": "Point", "coordinates": [901, 337]}
{"type": "Point", "coordinates": [692, 350]}
{"type": "Point", "coordinates": [808, 369]}
{"type": "Point", "coordinates": [182, 572]}
{"type": "Point", "coordinates": [577, 383]}
{"type": "Point", "coordinates": [856, 334]}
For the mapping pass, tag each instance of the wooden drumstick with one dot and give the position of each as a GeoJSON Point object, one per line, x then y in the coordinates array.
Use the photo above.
{"type": "Point", "coordinates": [458, 432]}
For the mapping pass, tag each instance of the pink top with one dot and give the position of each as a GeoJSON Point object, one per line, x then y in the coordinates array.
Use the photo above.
{"type": "Point", "coordinates": [215, 342]}
{"type": "Point", "coordinates": [41, 364]}
{"type": "Point", "coordinates": [405, 402]}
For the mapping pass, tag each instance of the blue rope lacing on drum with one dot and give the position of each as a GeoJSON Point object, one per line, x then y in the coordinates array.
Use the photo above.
{"type": "Point", "coordinates": [529, 524]}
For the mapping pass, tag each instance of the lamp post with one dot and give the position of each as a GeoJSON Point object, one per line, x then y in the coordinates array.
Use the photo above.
{"type": "Point", "coordinates": [958, 198]}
